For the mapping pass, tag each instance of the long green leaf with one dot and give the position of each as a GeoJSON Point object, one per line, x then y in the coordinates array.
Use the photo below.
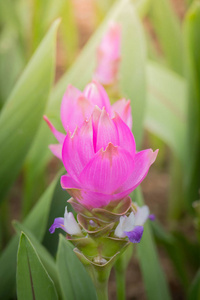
{"type": "Point", "coordinates": [192, 43]}
{"type": "Point", "coordinates": [33, 281]}
{"type": "Point", "coordinates": [74, 279]}
{"type": "Point", "coordinates": [194, 292]}
{"type": "Point", "coordinates": [174, 251]}
{"type": "Point", "coordinates": [132, 68]}
{"type": "Point", "coordinates": [166, 108]}
{"type": "Point", "coordinates": [58, 204]}
{"type": "Point", "coordinates": [154, 278]}
{"type": "Point", "coordinates": [168, 30]}
{"type": "Point", "coordinates": [11, 63]}
{"type": "Point", "coordinates": [36, 222]}
{"type": "Point", "coordinates": [21, 115]}
{"type": "Point", "coordinates": [45, 257]}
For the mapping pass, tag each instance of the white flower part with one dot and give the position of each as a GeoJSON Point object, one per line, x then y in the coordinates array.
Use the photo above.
{"type": "Point", "coordinates": [70, 224]}
{"type": "Point", "coordinates": [125, 224]}
{"type": "Point", "coordinates": [141, 215]}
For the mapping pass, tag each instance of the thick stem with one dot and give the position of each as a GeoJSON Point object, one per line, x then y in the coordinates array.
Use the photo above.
{"type": "Point", "coordinates": [120, 282]}
{"type": "Point", "coordinates": [100, 276]}
{"type": "Point", "coordinates": [120, 272]}
{"type": "Point", "coordinates": [102, 289]}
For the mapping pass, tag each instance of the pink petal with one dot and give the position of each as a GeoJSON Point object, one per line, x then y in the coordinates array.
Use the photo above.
{"type": "Point", "coordinates": [143, 160]}
{"type": "Point", "coordinates": [67, 182]}
{"type": "Point", "coordinates": [107, 170]}
{"type": "Point", "coordinates": [106, 132]}
{"type": "Point", "coordinates": [97, 95]}
{"type": "Point", "coordinates": [95, 122]}
{"type": "Point", "coordinates": [88, 198]}
{"type": "Point", "coordinates": [58, 135]}
{"type": "Point", "coordinates": [92, 199]}
{"type": "Point", "coordinates": [106, 73]}
{"type": "Point", "coordinates": [56, 150]}
{"type": "Point", "coordinates": [123, 108]}
{"type": "Point", "coordinates": [78, 149]}
{"type": "Point", "coordinates": [108, 55]}
{"type": "Point", "coordinates": [111, 41]}
{"type": "Point", "coordinates": [126, 138]}
{"type": "Point", "coordinates": [75, 108]}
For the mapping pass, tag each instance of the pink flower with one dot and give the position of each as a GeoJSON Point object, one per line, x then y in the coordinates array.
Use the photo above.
{"type": "Point", "coordinates": [108, 56]}
{"type": "Point", "coordinates": [101, 160]}
{"type": "Point", "coordinates": [78, 106]}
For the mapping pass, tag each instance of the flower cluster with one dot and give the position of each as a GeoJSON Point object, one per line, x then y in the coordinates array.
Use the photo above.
{"type": "Point", "coordinates": [99, 153]}
{"type": "Point", "coordinates": [78, 106]}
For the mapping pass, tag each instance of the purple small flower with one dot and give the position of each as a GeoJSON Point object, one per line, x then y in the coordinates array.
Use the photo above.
{"type": "Point", "coordinates": [68, 224]}
{"type": "Point", "coordinates": [135, 235]}
{"type": "Point", "coordinates": [132, 226]}
{"type": "Point", "coordinates": [152, 217]}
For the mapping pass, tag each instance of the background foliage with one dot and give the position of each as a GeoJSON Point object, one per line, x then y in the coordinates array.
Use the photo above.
{"type": "Point", "coordinates": [160, 74]}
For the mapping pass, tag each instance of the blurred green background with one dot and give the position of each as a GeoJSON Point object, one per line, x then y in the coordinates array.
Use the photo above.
{"type": "Point", "coordinates": [159, 73]}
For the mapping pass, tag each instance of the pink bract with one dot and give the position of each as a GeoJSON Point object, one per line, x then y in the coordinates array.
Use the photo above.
{"type": "Point", "coordinates": [108, 56]}
{"type": "Point", "coordinates": [77, 106]}
{"type": "Point", "coordinates": [101, 160]}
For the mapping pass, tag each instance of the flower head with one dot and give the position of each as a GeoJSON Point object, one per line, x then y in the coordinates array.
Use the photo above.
{"type": "Point", "coordinates": [78, 106]}
{"type": "Point", "coordinates": [101, 160]}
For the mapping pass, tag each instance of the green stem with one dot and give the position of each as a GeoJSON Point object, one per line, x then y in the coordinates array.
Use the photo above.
{"type": "Point", "coordinates": [120, 272]}
{"type": "Point", "coordinates": [120, 282]}
{"type": "Point", "coordinates": [102, 289]}
{"type": "Point", "coordinates": [100, 276]}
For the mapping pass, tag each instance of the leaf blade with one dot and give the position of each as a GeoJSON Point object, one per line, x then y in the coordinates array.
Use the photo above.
{"type": "Point", "coordinates": [153, 275]}
{"type": "Point", "coordinates": [33, 281]}
{"type": "Point", "coordinates": [166, 108]}
{"type": "Point", "coordinates": [23, 110]}
{"type": "Point", "coordinates": [36, 222]}
{"type": "Point", "coordinates": [74, 280]}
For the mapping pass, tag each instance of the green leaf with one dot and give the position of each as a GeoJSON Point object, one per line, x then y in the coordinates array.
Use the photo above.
{"type": "Point", "coordinates": [194, 291]}
{"type": "Point", "coordinates": [58, 204]}
{"type": "Point", "coordinates": [37, 219]}
{"type": "Point", "coordinates": [166, 108]}
{"type": "Point", "coordinates": [153, 275]}
{"type": "Point", "coordinates": [174, 251]}
{"type": "Point", "coordinates": [21, 115]}
{"type": "Point", "coordinates": [74, 279]}
{"type": "Point", "coordinates": [45, 257]}
{"type": "Point", "coordinates": [36, 222]}
{"type": "Point", "coordinates": [132, 67]}
{"type": "Point", "coordinates": [33, 281]}
{"type": "Point", "coordinates": [8, 269]}
{"type": "Point", "coordinates": [192, 44]}
{"type": "Point", "coordinates": [11, 63]}
{"type": "Point", "coordinates": [69, 30]}
{"type": "Point", "coordinates": [168, 30]}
